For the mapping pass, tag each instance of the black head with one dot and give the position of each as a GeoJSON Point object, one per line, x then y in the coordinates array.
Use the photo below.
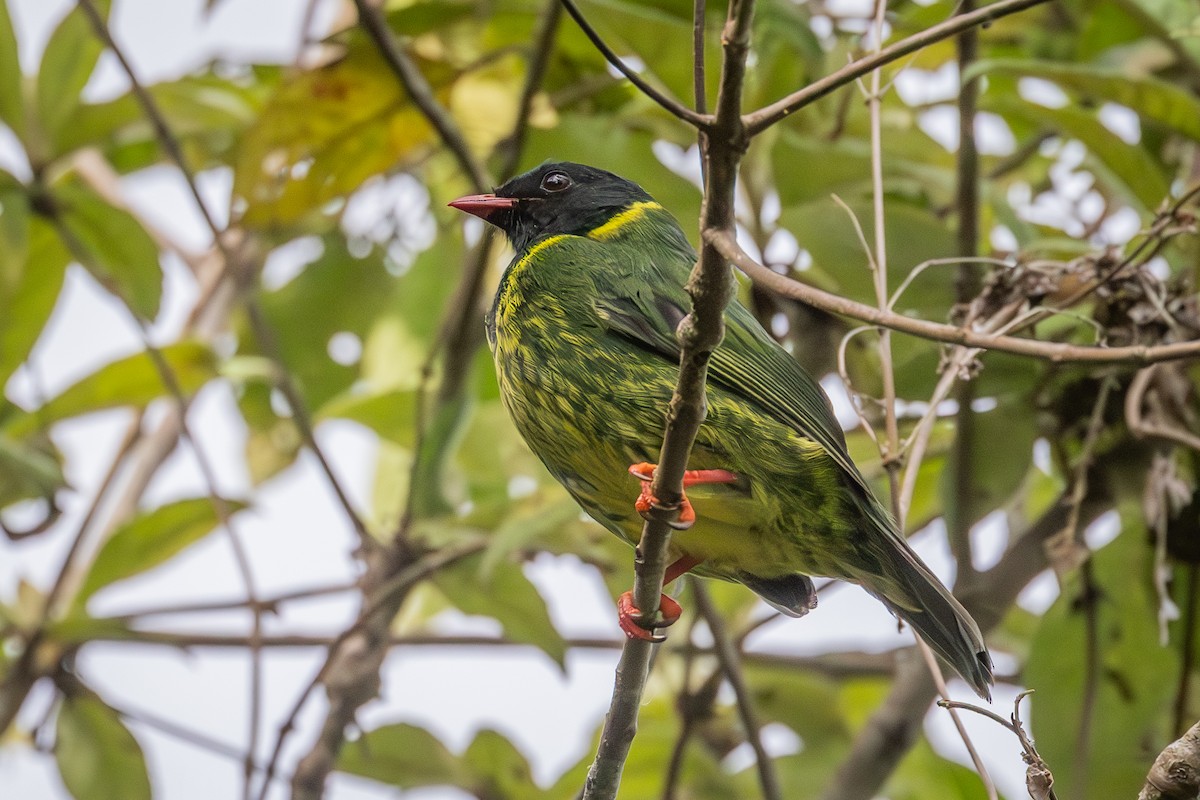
{"type": "Point", "coordinates": [555, 198]}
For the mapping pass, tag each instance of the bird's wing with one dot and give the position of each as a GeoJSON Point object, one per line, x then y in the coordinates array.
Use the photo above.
{"type": "Point", "coordinates": [748, 364]}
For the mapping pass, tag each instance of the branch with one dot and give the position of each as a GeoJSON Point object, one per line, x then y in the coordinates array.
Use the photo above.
{"type": "Point", "coordinates": [938, 332]}
{"type": "Point", "coordinates": [372, 19]}
{"type": "Point", "coordinates": [711, 287]}
{"type": "Point", "coordinates": [758, 121]}
{"type": "Point", "coordinates": [1175, 774]}
{"type": "Point", "coordinates": [730, 660]}
{"type": "Point", "coordinates": [966, 287]}
{"type": "Point", "coordinates": [668, 103]}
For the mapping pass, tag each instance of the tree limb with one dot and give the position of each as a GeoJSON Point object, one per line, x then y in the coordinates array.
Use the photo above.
{"type": "Point", "coordinates": [711, 288]}
{"type": "Point", "coordinates": [949, 334]}
{"type": "Point", "coordinates": [668, 103]}
{"type": "Point", "coordinates": [758, 121]}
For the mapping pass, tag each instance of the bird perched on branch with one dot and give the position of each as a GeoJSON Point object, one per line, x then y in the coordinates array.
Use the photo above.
{"type": "Point", "coordinates": [583, 334]}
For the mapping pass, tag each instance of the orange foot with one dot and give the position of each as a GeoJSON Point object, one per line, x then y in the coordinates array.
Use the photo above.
{"type": "Point", "coordinates": [687, 515]}
{"type": "Point", "coordinates": [631, 619]}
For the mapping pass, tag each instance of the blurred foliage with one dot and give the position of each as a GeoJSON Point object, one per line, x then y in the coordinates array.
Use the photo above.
{"type": "Point", "coordinates": [1090, 125]}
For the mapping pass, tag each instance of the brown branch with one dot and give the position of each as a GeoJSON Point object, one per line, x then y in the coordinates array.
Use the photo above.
{"type": "Point", "coordinates": [966, 287]}
{"type": "Point", "coordinates": [949, 334]}
{"type": "Point", "coordinates": [758, 121]}
{"type": "Point", "coordinates": [1038, 779]}
{"type": "Point", "coordinates": [1175, 774]}
{"type": "Point", "coordinates": [710, 287]}
{"type": "Point", "coordinates": [543, 47]}
{"type": "Point", "coordinates": [730, 660]}
{"type": "Point", "coordinates": [268, 342]}
{"type": "Point", "coordinates": [373, 21]}
{"type": "Point", "coordinates": [158, 121]}
{"type": "Point", "coordinates": [1137, 423]}
{"type": "Point", "coordinates": [351, 670]}
{"type": "Point", "coordinates": [668, 103]}
{"type": "Point", "coordinates": [831, 665]}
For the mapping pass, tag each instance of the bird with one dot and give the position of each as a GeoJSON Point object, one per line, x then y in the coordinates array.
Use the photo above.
{"type": "Point", "coordinates": [582, 330]}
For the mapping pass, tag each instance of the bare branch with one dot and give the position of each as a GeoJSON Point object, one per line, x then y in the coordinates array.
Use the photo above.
{"type": "Point", "coordinates": [710, 287]}
{"type": "Point", "coordinates": [758, 121]}
{"type": "Point", "coordinates": [372, 19]}
{"type": "Point", "coordinates": [949, 334]}
{"type": "Point", "coordinates": [730, 660]}
{"type": "Point", "coordinates": [668, 103]}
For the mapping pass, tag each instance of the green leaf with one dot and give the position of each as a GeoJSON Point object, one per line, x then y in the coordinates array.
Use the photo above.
{"type": "Point", "coordinates": [33, 263]}
{"type": "Point", "coordinates": [506, 595]}
{"type": "Point", "coordinates": [1140, 178]}
{"type": "Point", "coordinates": [67, 64]}
{"type": "Point", "coordinates": [1152, 99]}
{"type": "Point", "coordinates": [392, 414]}
{"type": "Point", "coordinates": [12, 102]}
{"type": "Point", "coordinates": [151, 539]}
{"type": "Point", "coordinates": [326, 131]}
{"type": "Point", "coordinates": [335, 293]}
{"type": "Point", "coordinates": [28, 471]}
{"type": "Point", "coordinates": [97, 756]}
{"type": "Point", "coordinates": [402, 756]}
{"type": "Point", "coordinates": [115, 247]}
{"type": "Point", "coordinates": [498, 769]}
{"type": "Point", "coordinates": [14, 229]}
{"type": "Point", "coordinates": [131, 381]}
{"type": "Point", "coordinates": [1000, 456]}
{"type": "Point", "coordinates": [914, 233]}
{"type": "Point", "coordinates": [1134, 676]}
{"type": "Point", "coordinates": [924, 774]}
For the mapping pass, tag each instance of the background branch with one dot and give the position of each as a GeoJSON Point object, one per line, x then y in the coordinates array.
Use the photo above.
{"type": "Point", "coordinates": [949, 334]}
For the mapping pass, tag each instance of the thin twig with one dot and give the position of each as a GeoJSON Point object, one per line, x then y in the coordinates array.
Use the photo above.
{"type": "Point", "coordinates": [268, 342]}
{"type": "Point", "coordinates": [543, 46]}
{"type": "Point", "coordinates": [162, 130]}
{"type": "Point", "coordinates": [879, 262]}
{"type": "Point", "coordinates": [760, 120]}
{"type": "Point", "coordinates": [1038, 779]}
{"type": "Point", "coordinates": [1051, 351]}
{"type": "Point", "coordinates": [374, 607]}
{"type": "Point", "coordinates": [939, 680]}
{"type": "Point", "coordinates": [668, 103]}
{"type": "Point", "coordinates": [699, 334]}
{"type": "Point", "coordinates": [1137, 423]}
{"type": "Point", "coordinates": [730, 660]}
{"type": "Point", "coordinates": [269, 604]}
{"type": "Point", "coordinates": [966, 287]}
{"type": "Point", "coordinates": [373, 21]}
{"type": "Point", "coordinates": [22, 674]}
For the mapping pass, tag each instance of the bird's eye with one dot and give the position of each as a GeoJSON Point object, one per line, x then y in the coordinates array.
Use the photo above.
{"type": "Point", "coordinates": [556, 182]}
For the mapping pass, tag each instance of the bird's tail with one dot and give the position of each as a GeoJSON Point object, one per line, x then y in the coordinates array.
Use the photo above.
{"type": "Point", "coordinates": [914, 594]}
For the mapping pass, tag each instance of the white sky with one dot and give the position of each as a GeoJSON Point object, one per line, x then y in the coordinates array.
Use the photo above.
{"type": "Point", "coordinates": [296, 536]}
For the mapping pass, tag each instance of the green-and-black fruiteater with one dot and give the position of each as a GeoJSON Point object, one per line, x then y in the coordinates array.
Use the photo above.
{"type": "Point", "coordinates": [583, 333]}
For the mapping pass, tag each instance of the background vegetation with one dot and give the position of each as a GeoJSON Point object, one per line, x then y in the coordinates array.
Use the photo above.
{"type": "Point", "coordinates": [1052, 199]}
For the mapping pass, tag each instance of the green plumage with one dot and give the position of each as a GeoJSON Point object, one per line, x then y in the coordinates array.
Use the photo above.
{"type": "Point", "coordinates": [583, 334]}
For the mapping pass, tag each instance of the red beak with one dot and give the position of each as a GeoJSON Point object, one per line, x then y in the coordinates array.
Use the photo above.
{"type": "Point", "coordinates": [484, 206]}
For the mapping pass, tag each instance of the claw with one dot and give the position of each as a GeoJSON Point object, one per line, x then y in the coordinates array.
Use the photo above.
{"type": "Point", "coordinates": [646, 501]}
{"type": "Point", "coordinates": [631, 619]}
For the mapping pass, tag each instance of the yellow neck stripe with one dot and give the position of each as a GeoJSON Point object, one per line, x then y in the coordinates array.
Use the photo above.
{"type": "Point", "coordinates": [631, 214]}
{"type": "Point", "coordinates": [537, 248]}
